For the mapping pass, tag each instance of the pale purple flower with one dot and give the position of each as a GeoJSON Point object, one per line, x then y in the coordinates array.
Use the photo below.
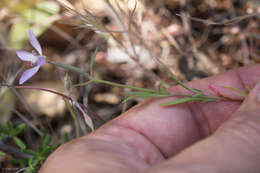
{"type": "Point", "coordinates": [36, 60]}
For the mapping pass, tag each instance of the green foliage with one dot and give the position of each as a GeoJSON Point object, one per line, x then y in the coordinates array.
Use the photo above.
{"type": "Point", "coordinates": [146, 94]}
{"type": "Point", "coordinates": [66, 137]}
{"type": "Point", "coordinates": [36, 18]}
{"type": "Point", "coordinates": [12, 132]}
{"type": "Point", "coordinates": [20, 162]}
{"type": "Point", "coordinates": [93, 61]}
{"type": "Point", "coordinates": [40, 155]}
{"type": "Point", "coordinates": [19, 142]}
{"type": "Point", "coordinates": [37, 157]}
{"type": "Point", "coordinates": [197, 95]}
{"type": "Point", "coordinates": [2, 154]}
{"type": "Point", "coordinates": [71, 68]}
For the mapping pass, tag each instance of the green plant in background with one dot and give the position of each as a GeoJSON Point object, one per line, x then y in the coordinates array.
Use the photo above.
{"type": "Point", "coordinates": [33, 159]}
{"type": "Point", "coordinates": [12, 132]}
{"type": "Point", "coordinates": [40, 155]}
{"type": "Point", "coordinates": [38, 17]}
{"type": "Point", "coordinates": [17, 7]}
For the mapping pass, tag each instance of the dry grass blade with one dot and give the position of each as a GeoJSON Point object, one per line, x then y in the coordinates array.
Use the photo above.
{"type": "Point", "coordinates": [88, 19]}
{"type": "Point", "coordinates": [226, 22]}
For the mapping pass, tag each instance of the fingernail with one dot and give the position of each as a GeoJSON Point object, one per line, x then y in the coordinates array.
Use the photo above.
{"type": "Point", "coordinates": [226, 92]}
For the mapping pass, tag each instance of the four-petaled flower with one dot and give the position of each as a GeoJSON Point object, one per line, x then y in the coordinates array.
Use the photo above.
{"type": "Point", "coordinates": [36, 60]}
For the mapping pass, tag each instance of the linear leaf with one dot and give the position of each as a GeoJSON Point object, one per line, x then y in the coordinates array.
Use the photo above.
{"type": "Point", "coordinates": [237, 90]}
{"type": "Point", "coordinates": [19, 142]}
{"type": "Point", "coordinates": [127, 99]}
{"type": "Point", "coordinates": [145, 94]}
{"type": "Point", "coordinates": [19, 129]}
{"type": "Point", "coordinates": [84, 84]}
{"type": "Point", "coordinates": [183, 100]}
{"type": "Point", "coordinates": [2, 154]}
{"type": "Point", "coordinates": [71, 68]}
{"type": "Point", "coordinates": [93, 61]}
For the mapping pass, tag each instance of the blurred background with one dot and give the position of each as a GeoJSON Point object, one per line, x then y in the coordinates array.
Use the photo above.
{"type": "Point", "coordinates": [194, 38]}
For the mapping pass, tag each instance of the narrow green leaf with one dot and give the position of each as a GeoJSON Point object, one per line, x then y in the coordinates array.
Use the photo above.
{"type": "Point", "coordinates": [84, 84]}
{"type": "Point", "coordinates": [10, 126]}
{"type": "Point", "coordinates": [178, 80]}
{"type": "Point", "coordinates": [19, 142]}
{"type": "Point", "coordinates": [123, 86]}
{"type": "Point", "coordinates": [127, 99]}
{"type": "Point", "coordinates": [46, 140]}
{"type": "Point", "coordinates": [71, 68]}
{"type": "Point", "coordinates": [145, 94]}
{"type": "Point", "coordinates": [1, 136]}
{"type": "Point", "coordinates": [92, 62]}
{"type": "Point", "coordinates": [2, 154]}
{"type": "Point", "coordinates": [183, 100]}
{"type": "Point", "coordinates": [35, 162]}
{"type": "Point", "coordinates": [248, 88]}
{"type": "Point", "coordinates": [30, 162]}
{"type": "Point", "coordinates": [19, 129]}
{"type": "Point", "coordinates": [2, 129]}
{"type": "Point", "coordinates": [46, 150]}
{"type": "Point", "coordinates": [237, 90]}
{"type": "Point", "coordinates": [66, 137]}
{"type": "Point", "coordinates": [161, 88]}
{"type": "Point", "coordinates": [31, 152]}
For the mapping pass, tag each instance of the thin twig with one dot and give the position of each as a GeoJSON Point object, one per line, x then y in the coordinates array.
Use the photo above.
{"type": "Point", "coordinates": [54, 92]}
{"type": "Point", "coordinates": [15, 152]}
{"type": "Point", "coordinates": [226, 22]}
{"type": "Point", "coordinates": [28, 122]}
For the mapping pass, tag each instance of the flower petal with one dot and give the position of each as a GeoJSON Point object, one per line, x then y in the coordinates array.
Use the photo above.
{"type": "Point", "coordinates": [41, 60]}
{"type": "Point", "coordinates": [25, 56]}
{"type": "Point", "coordinates": [28, 74]}
{"type": "Point", "coordinates": [34, 42]}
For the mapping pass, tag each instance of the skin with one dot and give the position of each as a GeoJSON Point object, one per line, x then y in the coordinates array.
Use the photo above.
{"type": "Point", "coordinates": [195, 137]}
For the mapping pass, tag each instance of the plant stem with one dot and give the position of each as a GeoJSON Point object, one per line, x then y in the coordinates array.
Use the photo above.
{"type": "Point", "coordinates": [176, 79]}
{"type": "Point", "coordinates": [71, 68]}
{"type": "Point", "coordinates": [15, 152]}
{"type": "Point", "coordinates": [54, 92]}
{"type": "Point", "coordinates": [78, 70]}
{"type": "Point", "coordinates": [123, 86]}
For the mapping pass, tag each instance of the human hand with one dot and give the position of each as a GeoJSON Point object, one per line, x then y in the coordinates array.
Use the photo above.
{"type": "Point", "coordinates": [188, 138]}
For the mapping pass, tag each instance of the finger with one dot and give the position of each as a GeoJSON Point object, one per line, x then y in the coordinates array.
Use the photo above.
{"type": "Point", "coordinates": [234, 147]}
{"type": "Point", "coordinates": [149, 132]}
{"type": "Point", "coordinates": [171, 129]}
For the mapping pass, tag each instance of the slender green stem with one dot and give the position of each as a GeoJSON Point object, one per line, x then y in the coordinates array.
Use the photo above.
{"type": "Point", "coordinates": [176, 79]}
{"type": "Point", "coordinates": [180, 82]}
{"type": "Point", "coordinates": [123, 86]}
{"type": "Point", "coordinates": [71, 68]}
{"type": "Point", "coordinates": [78, 70]}
{"type": "Point", "coordinates": [200, 96]}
